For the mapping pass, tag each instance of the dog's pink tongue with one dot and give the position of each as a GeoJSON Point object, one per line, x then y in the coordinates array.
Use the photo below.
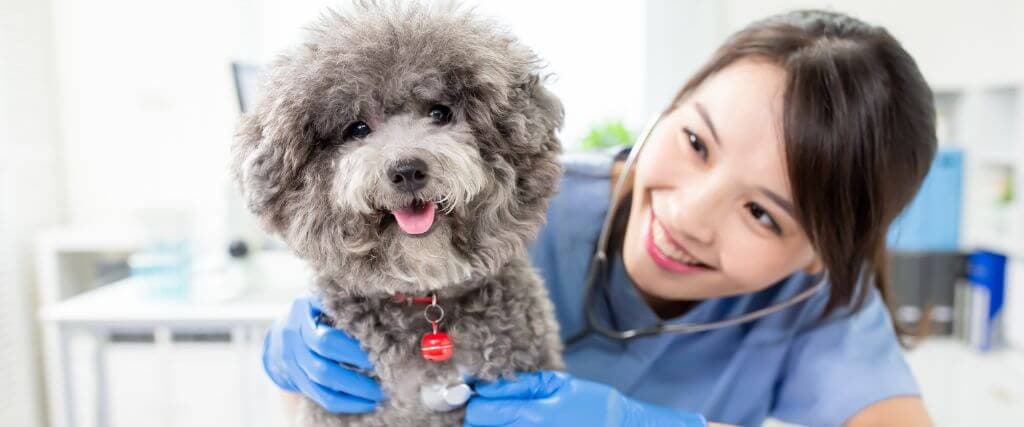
{"type": "Point", "coordinates": [415, 219]}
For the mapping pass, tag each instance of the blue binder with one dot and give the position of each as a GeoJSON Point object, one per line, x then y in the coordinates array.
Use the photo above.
{"type": "Point", "coordinates": [986, 274]}
{"type": "Point", "coordinates": [932, 220]}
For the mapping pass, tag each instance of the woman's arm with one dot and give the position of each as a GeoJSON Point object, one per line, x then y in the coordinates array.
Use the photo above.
{"type": "Point", "coordinates": [896, 411]}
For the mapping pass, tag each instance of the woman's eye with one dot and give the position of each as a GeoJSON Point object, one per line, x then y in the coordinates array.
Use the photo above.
{"type": "Point", "coordinates": [440, 114]}
{"type": "Point", "coordinates": [762, 216]}
{"type": "Point", "coordinates": [695, 143]}
{"type": "Point", "coordinates": [356, 130]}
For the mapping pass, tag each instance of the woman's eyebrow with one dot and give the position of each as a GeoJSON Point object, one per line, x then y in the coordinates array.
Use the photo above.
{"type": "Point", "coordinates": [707, 120]}
{"type": "Point", "coordinates": [786, 205]}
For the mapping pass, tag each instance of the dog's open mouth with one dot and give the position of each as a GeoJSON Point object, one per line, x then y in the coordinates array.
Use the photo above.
{"type": "Point", "coordinates": [417, 218]}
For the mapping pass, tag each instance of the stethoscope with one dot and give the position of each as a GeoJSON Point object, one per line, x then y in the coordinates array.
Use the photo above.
{"type": "Point", "coordinates": [598, 273]}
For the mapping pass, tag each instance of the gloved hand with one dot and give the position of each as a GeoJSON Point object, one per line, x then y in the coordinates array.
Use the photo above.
{"type": "Point", "coordinates": [557, 399]}
{"type": "Point", "coordinates": [301, 354]}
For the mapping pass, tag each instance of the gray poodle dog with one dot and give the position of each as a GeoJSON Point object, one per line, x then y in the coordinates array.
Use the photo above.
{"type": "Point", "coordinates": [408, 152]}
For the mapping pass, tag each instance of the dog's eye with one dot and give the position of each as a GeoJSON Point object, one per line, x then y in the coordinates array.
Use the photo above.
{"type": "Point", "coordinates": [356, 130]}
{"type": "Point", "coordinates": [440, 114]}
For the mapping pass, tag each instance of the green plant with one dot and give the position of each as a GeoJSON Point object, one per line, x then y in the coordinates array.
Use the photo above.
{"type": "Point", "coordinates": [612, 133]}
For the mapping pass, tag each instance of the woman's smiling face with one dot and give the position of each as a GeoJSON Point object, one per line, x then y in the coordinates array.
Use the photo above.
{"type": "Point", "coordinates": [712, 212]}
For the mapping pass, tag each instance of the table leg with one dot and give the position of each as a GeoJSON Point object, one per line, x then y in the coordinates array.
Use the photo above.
{"type": "Point", "coordinates": [162, 343]}
{"type": "Point", "coordinates": [63, 343]}
{"type": "Point", "coordinates": [101, 338]}
{"type": "Point", "coordinates": [240, 343]}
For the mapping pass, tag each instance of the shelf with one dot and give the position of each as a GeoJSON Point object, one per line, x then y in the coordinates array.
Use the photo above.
{"type": "Point", "coordinates": [90, 239]}
{"type": "Point", "coordinates": [1008, 157]}
{"type": "Point", "coordinates": [985, 121]}
{"type": "Point", "coordinates": [128, 303]}
{"type": "Point", "coordinates": [256, 292]}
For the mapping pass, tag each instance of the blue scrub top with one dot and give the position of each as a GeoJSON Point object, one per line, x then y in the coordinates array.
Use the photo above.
{"type": "Point", "coordinates": [787, 365]}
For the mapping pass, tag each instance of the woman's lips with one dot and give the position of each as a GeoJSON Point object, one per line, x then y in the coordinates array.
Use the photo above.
{"type": "Point", "coordinates": [666, 253]}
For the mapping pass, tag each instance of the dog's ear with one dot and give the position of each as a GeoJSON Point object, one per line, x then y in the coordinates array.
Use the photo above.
{"type": "Point", "coordinates": [544, 111]}
{"type": "Point", "coordinates": [268, 153]}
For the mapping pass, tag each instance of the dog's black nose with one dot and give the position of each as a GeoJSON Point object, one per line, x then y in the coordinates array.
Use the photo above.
{"type": "Point", "coordinates": [408, 175]}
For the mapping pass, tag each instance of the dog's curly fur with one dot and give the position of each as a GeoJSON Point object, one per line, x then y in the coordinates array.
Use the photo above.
{"type": "Point", "coordinates": [492, 169]}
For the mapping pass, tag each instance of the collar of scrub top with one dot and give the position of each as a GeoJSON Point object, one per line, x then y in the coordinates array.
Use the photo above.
{"type": "Point", "coordinates": [597, 275]}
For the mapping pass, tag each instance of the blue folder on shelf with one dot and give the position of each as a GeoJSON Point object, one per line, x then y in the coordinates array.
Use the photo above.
{"type": "Point", "coordinates": [986, 276]}
{"type": "Point", "coordinates": [932, 220]}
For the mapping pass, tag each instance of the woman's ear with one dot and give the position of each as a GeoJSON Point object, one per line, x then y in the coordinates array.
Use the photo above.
{"type": "Point", "coordinates": [816, 266]}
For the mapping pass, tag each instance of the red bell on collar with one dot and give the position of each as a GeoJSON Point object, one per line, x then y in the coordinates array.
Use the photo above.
{"type": "Point", "coordinates": [437, 346]}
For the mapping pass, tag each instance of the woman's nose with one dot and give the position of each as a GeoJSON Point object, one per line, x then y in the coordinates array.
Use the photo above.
{"type": "Point", "coordinates": [694, 207]}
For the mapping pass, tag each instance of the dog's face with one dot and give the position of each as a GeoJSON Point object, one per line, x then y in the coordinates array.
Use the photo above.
{"type": "Point", "coordinates": [402, 149]}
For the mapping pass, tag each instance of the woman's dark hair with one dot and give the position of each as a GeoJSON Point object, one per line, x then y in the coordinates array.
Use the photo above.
{"type": "Point", "coordinates": [858, 130]}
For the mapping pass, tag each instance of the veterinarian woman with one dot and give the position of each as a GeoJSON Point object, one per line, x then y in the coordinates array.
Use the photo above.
{"type": "Point", "coordinates": [778, 166]}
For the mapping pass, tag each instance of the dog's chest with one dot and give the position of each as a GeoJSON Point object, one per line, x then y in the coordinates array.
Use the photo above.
{"type": "Point", "coordinates": [502, 326]}
{"type": "Point", "coordinates": [393, 334]}
{"type": "Point", "coordinates": [490, 338]}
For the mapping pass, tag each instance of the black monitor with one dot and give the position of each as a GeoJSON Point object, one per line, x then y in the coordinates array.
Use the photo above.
{"type": "Point", "coordinates": [247, 84]}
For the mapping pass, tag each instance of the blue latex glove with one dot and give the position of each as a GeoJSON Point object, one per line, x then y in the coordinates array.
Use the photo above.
{"type": "Point", "coordinates": [557, 399]}
{"type": "Point", "coordinates": [301, 354]}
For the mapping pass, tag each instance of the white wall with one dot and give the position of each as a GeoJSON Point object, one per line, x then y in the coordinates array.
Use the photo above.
{"type": "Point", "coordinates": [29, 196]}
{"type": "Point", "coordinates": [147, 108]}
{"type": "Point", "coordinates": [594, 50]}
{"type": "Point", "coordinates": [680, 36]}
{"type": "Point", "coordinates": [956, 43]}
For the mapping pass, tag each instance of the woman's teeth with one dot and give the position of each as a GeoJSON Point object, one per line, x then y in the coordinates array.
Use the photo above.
{"type": "Point", "coordinates": [666, 247]}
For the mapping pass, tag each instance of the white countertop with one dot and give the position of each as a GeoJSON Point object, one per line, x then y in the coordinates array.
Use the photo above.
{"type": "Point", "coordinates": [259, 293]}
{"type": "Point", "coordinates": [127, 302]}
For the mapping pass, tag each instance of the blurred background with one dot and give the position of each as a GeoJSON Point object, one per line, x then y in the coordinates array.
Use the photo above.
{"type": "Point", "coordinates": [135, 289]}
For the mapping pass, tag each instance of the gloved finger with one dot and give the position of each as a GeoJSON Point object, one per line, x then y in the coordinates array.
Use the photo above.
{"type": "Point", "coordinates": [471, 380]}
{"type": "Point", "coordinates": [332, 401]}
{"type": "Point", "coordinates": [329, 374]}
{"type": "Point", "coordinates": [330, 342]}
{"type": "Point", "coordinates": [272, 353]}
{"type": "Point", "coordinates": [483, 412]}
{"type": "Point", "coordinates": [299, 310]}
{"type": "Point", "coordinates": [315, 302]}
{"type": "Point", "coordinates": [527, 385]}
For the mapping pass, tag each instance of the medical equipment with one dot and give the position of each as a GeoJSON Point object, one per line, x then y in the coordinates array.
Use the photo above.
{"type": "Point", "coordinates": [439, 398]}
{"type": "Point", "coordinates": [599, 271]}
